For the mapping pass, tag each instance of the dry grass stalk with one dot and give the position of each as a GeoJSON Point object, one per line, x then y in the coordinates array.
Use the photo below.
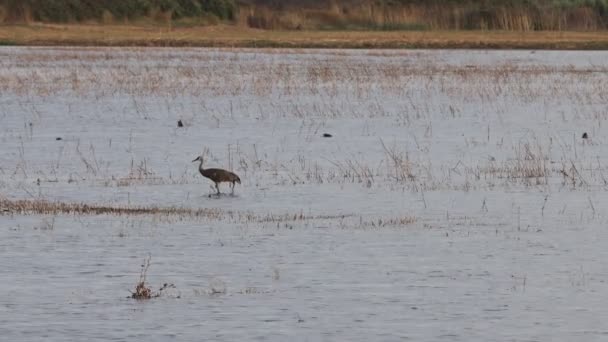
{"type": "Point", "coordinates": [400, 162]}
{"type": "Point", "coordinates": [142, 291]}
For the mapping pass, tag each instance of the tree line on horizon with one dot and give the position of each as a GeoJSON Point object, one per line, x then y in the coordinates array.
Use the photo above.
{"type": "Point", "coordinates": [512, 15]}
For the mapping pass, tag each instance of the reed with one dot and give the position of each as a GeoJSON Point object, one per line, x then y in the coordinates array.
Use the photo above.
{"type": "Point", "coordinates": [511, 15]}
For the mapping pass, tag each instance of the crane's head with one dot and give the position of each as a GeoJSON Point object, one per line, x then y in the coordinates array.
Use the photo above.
{"type": "Point", "coordinates": [201, 157]}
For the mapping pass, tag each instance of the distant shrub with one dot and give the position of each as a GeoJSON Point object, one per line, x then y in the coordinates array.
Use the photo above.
{"type": "Point", "coordinates": [513, 15]}
{"type": "Point", "coordinates": [223, 9]}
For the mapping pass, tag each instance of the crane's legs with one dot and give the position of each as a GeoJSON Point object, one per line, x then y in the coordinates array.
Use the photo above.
{"type": "Point", "coordinates": [217, 186]}
{"type": "Point", "coordinates": [232, 192]}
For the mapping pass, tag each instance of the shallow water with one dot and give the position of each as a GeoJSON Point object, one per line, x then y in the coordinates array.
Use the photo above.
{"type": "Point", "coordinates": [71, 282]}
{"type": "Point", "coordinates": [491, 255]}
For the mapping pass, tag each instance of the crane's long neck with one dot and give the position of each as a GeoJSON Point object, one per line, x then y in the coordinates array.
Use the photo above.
{"type": "Point", "coordinates": [200, 166]}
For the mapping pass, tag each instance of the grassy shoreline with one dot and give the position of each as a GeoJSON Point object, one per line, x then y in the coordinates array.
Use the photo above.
{"type": "Point", "coordinates": [231, 36]}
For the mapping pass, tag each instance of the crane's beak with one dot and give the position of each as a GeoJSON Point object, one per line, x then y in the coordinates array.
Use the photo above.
{"type": "Point", "coordinates": [196, 159]}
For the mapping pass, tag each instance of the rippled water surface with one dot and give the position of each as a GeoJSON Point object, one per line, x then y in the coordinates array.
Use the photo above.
{"type": "Point", "coordinates": [456, 199]}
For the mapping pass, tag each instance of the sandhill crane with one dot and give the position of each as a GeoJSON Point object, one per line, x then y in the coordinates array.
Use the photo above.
{"type": "Point", "coordinates": [218, 175]}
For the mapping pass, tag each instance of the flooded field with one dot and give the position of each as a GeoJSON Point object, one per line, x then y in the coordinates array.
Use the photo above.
{"type": "Point", "coordinates": [386, 195]}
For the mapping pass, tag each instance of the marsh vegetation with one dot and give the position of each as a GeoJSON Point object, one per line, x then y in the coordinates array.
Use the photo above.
{"type": "Point", "coordinates": [456, 188]}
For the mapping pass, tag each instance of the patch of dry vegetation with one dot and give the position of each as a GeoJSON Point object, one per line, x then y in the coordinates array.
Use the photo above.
{"type": "Point", "coordinates": [28, 207]}
{"type": "Point", "coordinates": [142, 290]}
{"type": "Point", "coordinates": [515, 15]}
{"type": "Point", "coordinates": [40, 206]}
{"type": "Point", "coordinates": [231, 36]}
{"type": "Point", "coordinates": [395, 73]}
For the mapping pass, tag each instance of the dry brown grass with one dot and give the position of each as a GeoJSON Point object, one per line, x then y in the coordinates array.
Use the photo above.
{"type": "Point", "coordinates": [434, 15]}
{"type": "Point", "coordinates": [40, 206]}
{"type": "Point", "coordinates": [143, 291]}
{"type": "Point", "coordinates": [232, 36]}
{"type": "Point", "coordinates": [44, 207]}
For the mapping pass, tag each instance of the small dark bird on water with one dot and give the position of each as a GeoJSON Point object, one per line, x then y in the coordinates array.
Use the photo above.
{"type": "Point", "coordinates": [585, 136]}
{"type": "Point", "coordinates": [180, 123]}
{"type": "Point", "coordinates": [218, 175]}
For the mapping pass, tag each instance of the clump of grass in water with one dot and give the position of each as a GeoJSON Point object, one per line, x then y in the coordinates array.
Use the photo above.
{"type": "Point", "coordinates": [142, 291]}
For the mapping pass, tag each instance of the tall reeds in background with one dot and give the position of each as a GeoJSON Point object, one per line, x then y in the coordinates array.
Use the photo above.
{"type": "Point", "coordinates": [510, 15]}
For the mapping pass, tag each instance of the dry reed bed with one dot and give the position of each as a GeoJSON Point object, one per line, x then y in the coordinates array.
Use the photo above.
{"type": "Point", "coordinates": [230, 36]}
{"type": "Point", "coordinates": [45, 207]}
{"type": "Point", "coordinates": [233, 74]}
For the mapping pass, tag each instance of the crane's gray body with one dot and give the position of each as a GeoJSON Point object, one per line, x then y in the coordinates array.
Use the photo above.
{"type": "Point", "coordinates": [218, 175]}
